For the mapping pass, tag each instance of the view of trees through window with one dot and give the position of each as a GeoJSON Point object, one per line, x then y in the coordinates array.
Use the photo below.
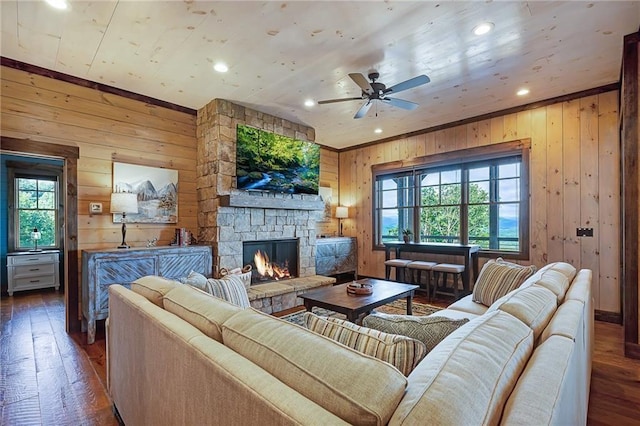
{"type": "Point", "coordinates": [473, 203]}
{"type": "Point", "coordinates": [36, 202]}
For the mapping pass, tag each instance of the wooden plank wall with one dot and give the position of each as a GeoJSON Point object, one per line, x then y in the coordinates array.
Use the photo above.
{"type": "Point", "coordinates": [329, 178]}
{"type": "Point", "coordinates": [106, 128]}
{"type": "Point", "coordinates": [575, 182]}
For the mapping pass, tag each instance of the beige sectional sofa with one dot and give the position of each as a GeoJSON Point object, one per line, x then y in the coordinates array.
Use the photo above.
{"type": "Point", "coordinates": [177, 356]}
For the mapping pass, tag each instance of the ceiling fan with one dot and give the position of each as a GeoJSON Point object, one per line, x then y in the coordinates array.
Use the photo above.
{"type": "Point", "coordinates": [374, 90]}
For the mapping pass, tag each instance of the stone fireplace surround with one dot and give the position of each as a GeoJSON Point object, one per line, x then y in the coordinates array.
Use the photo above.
{"type": "Point", "coordinates": [226, 216]}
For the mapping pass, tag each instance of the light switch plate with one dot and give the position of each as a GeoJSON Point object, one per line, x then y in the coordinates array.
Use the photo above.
{"type": "Point", "coordinates": [95, 208]}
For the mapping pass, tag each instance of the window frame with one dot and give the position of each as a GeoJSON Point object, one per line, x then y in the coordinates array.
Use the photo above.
{"type": "Point", "coordinates": [16, 170]}
{"type": "Point", "coordinates": [520, 147]}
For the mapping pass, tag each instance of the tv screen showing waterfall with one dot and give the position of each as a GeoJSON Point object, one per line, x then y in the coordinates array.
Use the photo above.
{"type": "Point", "coordinates": [266, 161]}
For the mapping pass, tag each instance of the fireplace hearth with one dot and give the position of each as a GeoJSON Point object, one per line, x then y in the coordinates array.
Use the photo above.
{"type": "Point", "coordinates": [271, 260]}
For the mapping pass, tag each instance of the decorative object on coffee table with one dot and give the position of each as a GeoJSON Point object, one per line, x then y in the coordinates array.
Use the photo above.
{"type": "Point", "coordinates": [359, 289]}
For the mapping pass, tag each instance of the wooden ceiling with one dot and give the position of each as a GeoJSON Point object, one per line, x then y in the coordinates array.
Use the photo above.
{"type": "Point", "coordinates": [281, 53]}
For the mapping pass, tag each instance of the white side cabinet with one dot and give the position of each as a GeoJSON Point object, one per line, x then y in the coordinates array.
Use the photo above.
{"type": "Point", "coordinates": [33, 270]}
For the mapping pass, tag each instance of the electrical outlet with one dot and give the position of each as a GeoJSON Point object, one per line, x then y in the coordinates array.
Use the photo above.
{"type": "Point", "coordinates": [584, 232]}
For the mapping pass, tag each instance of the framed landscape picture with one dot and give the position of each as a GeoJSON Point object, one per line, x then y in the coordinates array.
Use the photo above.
{"type": "Point", "coordinates": [156, 189]}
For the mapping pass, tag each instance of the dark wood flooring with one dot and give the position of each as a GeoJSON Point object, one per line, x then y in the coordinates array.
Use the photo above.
{"type": "Point", "coordinates": [48, 377]}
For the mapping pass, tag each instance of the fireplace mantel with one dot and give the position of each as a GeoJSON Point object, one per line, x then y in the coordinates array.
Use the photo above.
{"type": "Point", "coordinates": [260, 200]}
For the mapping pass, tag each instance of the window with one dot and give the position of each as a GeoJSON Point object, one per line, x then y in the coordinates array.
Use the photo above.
{"type": "Point", "coordinates": [476, 196]}
{"type": "Point", "coordinates": [33, 193]}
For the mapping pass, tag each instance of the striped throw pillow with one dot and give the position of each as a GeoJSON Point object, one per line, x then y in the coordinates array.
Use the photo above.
{"type": "Point", "coordinates": [402, 352]}
{"type": "Point", "coordinates": [231, 289]}
{"type": "Point", "coordinates": [497, 278]}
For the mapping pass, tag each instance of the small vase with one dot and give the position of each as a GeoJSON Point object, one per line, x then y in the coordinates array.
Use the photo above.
{"type": "Point", "coordinates": [405, 238]}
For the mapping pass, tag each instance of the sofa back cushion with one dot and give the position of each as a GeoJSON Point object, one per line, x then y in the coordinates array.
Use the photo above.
{"type": "Point", "coordinates": [498, 278]}
{"type": "Point", "coordinates": [153, 288]}
{"type": "Point", "coordinates": [533, 305]}
{"type": "Point", "coordinates": [402, 352]}
{"type": "Point", "coordinates": [357, 388]}
{"type": "Point", "coordinates": [203, 311]}
{"type": "Point", "coordinates": [467, 378]}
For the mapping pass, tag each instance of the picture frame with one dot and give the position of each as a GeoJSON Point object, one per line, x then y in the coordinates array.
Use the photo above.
{"type": "Point", "coordinates": [156, 188]}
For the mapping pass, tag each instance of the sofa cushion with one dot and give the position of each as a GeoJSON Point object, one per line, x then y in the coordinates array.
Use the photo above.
{"type": "Point", "coordinates": [466, 304]}
{"type": "Point", "coordinates": [203, 311]}
{"type": "Point", "coordinates": [467, 378]}
{"type": "Point", "coordinates": [555, 281]}
{"type": "Point", "coordinates": [498, 278]}
{"type": "Point", "coordinates": [154, 288]}
{"type": "Point", "coordinates": [355, 387]}
{"type": "Point", "coordinates": [533, 305]}
{"type": "Point", "coordinates": [580, 288]}
{"type": "Point", "coordinates": [402, 352]}
{"type": "Point", "coordinates": [231, 288]}
{"type": "Point", "coordinates": [429, 330]}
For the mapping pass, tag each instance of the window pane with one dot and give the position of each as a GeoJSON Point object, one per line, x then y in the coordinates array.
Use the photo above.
{"type": "Point", "coordinates": [430, 179]}
{"type": "Point", "coordinates": [479, 174]}
{"type": "Point", "coordinates": [509, 224]}
{"type": "Point", "coordinates": [46, 185]}
{"type": "Point", "coordinates": [509, 190]}
{"type": "Point", "coordinates": [450, 194]}
{"type": "Point", "coordinates": [44, 221]}
{"type": "Point", "coordinates": [27, 184]}
{"type": "Point", "coordinates": [509, 170]}
{"type": "Point", "coordinates": [440, 224]}
{"type": "Point", "coordinates": [479, 225]}
{"type": "Point", "coordinates": [430, 196]}
{"type": "Point", "coordinates": [450, 176]}
{"type": "Point", "coordinates": [479, 192]}
{"type": "Point", "coordinates": [389, 199]}
{"type": "Point", "coordinates": [47, 200]}
{"type": "Point", "coordinates": [389, 184]}
{"type": "Point", "coordinates": [27, 200]}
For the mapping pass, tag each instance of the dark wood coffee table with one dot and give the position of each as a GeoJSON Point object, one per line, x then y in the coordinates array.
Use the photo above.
{"type": "Point", "coordinates": [337, 299]}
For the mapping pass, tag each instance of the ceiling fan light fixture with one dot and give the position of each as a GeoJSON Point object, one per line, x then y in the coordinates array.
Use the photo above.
{"type": "Point", "coordinates": [221, 67]}
{"type": "Point", "coordinates": [58, 4]}
{"type": "Point", "coordinates": [483, 28]}
{"type": "Point", "coordinates": [522, 92]}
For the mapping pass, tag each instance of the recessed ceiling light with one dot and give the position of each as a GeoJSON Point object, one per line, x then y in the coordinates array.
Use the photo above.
{"type": "Point", "coordinates": [378, 130]}
{"type": "Point", "coordinates": [309, 103]}
{"type": "Point", "coordinates": [221, 67]}
{"type": "Point", "coordinates": [58, 4]}
{"type": "Point", "coordinates": [483, 28]}
{"type": "Point", "coordinates": [522, 92]}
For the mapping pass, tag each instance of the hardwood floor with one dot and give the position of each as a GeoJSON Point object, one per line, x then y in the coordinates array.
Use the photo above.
{"type": "Point", "coordinates": [48, 377]}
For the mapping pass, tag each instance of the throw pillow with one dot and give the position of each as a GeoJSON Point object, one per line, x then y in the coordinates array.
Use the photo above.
{"type": "Point", "coordinates": [402, 352]}
{"type": "Point", "coordinates": [196, 280]}
{"type": "Point", "coordinates": [231, 289]}
{"type": "Point", "coordinates": [429, 330]}
{"type": "Point", "coordinates": [498, 278]}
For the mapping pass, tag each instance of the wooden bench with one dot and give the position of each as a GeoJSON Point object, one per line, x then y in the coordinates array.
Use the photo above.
{"type": "Point", "coordinates": [278, 296]}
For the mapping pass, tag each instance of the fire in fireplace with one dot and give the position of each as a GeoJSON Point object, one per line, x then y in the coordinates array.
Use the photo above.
{"type": "Point", "coordinates": [271, 260]}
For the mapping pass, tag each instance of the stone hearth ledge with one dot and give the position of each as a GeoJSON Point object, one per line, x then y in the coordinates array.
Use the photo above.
{"type": "Point", "coordinates": [277, 296]}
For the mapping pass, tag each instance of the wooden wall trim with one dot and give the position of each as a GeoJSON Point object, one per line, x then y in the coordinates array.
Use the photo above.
{"type": "Point", "coordinates": [12, 63]}
{"type": "Point", "coordinates": [632, 350]}
{"type": "Point", "coordinates": [605, 316]}
{"type": "Point", "coordinates": [630, 182]}
{"type": "Point", "coordinates": [526, 107]}
{"type": "Point", "coordinates": [70, 154]}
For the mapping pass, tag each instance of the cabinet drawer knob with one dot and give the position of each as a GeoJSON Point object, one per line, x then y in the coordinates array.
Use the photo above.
{"type": "Point", "coordinates": [34, 281]}
{"type": "Point", "coordinates": [34, 269]}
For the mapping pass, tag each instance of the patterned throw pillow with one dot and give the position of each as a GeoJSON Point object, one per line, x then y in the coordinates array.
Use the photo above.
{"type": "Point", "coordinates": [498, 278]}
{"type": "Point", "coordinates": [402, 352]}
{"type": "Point", "coordinates": [231, 289]}
{"type": "Point", "coordinates": [429, 330]}
{"type": "Point", "coordinates": [196, 280]}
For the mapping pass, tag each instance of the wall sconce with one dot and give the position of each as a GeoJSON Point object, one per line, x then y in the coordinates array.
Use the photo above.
{"type": "Point", "coordinates": [124, 202]}
{"type": "Point", "coordinates": [35, 236]}
{"type": "Point", "coordinates": [342, 213]}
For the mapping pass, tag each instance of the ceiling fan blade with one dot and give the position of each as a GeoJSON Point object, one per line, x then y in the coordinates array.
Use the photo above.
{"type": "Point", "coordinates": [363, 110]}
{"type": "Point", "coordinates": [330, 101]}
{"type": "Point", "coordinates": [408, 84]}
{"type": "Point", "coordinates": [361, 81]}
{"type": "Point", "coordinates": [401, 103]}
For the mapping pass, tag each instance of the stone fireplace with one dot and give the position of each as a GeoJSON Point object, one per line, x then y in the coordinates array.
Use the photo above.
{"type": "Point", "coordinates": [228, 217]}
{"type": "Point", "coordinates": [271, 260]}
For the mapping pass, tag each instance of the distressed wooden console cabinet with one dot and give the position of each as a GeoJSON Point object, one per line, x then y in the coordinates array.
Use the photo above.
{"type": "Point", "coordinates": [337, 255]}
{"type": "Point", "coordinates": [102, 268]}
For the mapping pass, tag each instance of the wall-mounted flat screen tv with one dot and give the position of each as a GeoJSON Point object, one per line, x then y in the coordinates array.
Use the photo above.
{"type": "Point", "coordinates": [266, 161]}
